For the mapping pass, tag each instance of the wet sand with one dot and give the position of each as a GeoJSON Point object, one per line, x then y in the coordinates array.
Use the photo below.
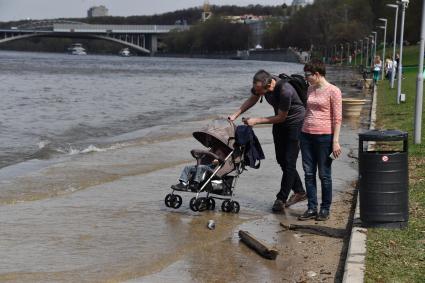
{"type": "Point", "coordinates": [111, 224]}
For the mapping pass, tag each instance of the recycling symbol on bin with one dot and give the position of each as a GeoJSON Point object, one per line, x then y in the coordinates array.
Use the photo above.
{"type": "Point", "coordinates": [385, 158]}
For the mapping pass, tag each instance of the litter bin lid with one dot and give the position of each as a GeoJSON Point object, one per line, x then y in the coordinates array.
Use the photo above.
{"type": "Point", "coordinates": [383, 135]}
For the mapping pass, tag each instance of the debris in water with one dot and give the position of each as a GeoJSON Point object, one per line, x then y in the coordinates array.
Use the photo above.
{"type": "Point", "coordinates": [261, 248]}
{"type": "Point", "coordinates": [211, 224]}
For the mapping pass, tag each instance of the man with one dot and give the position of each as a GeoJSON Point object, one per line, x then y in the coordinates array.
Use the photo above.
{"type": "Point", "coordinates": [396, 64]}
{"type": "Point", "coordinates": [287, 122]}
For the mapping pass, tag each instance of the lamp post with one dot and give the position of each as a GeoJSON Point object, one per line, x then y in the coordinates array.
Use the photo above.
{"type": "Point", "coordinates": [348, 54]}
{"type": "Point", "coordinates": [372, 52]}
{"type": "Point", "coordinates": [367, 52]}
{"type": "Point", "coordinates": [385, 40]}
{"type": "Point", "coordinates": [355, 53]}
{"type": "Point", "coordinates": [394, 42]}
{"type": "Point", "coordinates": [375, 39]}
{"type": "Point", "coordinates": [342, 52]}
{"type": "Point", "coordinates": [361, 52]}
{"type": "Point", "coordinates": [324, 53]}
{"type": "Point", "coordinates": [420, 82]}
{"type": "Point", "coordinates": [336, 53]}
{"type": "Point", "coordinates": [404, 4]}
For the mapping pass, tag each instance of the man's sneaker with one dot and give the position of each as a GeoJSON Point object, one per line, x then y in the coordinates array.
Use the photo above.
{"type": "Point", "coordinates": [278, 206]}
{"type": "Point", "coordinates": [308, 214]}
{"type": "Point", "coordinates": [323, 215]}
{"type": "Point", "coordinates": [296, 197]}
{"type": "Point", "coordinates": [179, 187]}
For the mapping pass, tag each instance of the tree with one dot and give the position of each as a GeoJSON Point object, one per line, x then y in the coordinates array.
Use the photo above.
{"type": "Point", "coordinates": [215, 35]}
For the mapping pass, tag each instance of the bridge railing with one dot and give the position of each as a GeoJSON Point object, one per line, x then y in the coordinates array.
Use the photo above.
{"type": "Point", "coordinates": [86, 28]}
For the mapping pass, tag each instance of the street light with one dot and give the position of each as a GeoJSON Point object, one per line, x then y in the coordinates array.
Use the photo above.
{"type": "Point", "coordinates": [375, 34]}
{"type": "Point", "coordinates": [355, 53]}
{"type": "Point", "coordinates": [361, 52]}
{"type": "Point", "coordinates": [335, 53]}
{"type": "Point", "coordinates": [404, 4]}
{"type": "Point", "coordinates": [385, 40]}
{"type": "Point", "coordinates": [372, 51]}
{"type": "Point", "coordinates": [348, 54]}
{"type": "Point", "coordinates": [420, 82]}
{"type": "Point", "coordinates": [342, 52]}
{"type": "Point", "coordinates": [394, 42]}
{"type": "Point", "coordinates": [367, 52]}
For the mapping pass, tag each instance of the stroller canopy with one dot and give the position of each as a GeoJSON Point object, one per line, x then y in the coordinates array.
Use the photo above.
{"type": "Point", "coordinates": [219, 133]}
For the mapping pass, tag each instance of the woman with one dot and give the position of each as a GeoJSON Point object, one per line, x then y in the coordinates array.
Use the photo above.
{"type": "Point", "coordinates": [377, 66]}
{"type": "Point", "coordinates": [320, 138]}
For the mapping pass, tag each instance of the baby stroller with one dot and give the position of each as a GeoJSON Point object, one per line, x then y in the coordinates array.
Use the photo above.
{"type": "Point", "coordinates": [219, 183]}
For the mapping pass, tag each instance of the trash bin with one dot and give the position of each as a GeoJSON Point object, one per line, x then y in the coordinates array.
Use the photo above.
{"type": "Point", "coordinates": [384, 179]}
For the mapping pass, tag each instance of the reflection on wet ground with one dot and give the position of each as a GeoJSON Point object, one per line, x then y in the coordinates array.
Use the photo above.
{"type": "Point", "coordinates": [112, 224]}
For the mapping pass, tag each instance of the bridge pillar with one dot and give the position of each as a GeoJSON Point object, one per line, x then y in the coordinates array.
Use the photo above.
{"type": "Point", "coordinates": [151, 43]}
{"type": "Point", "coordinates": [154, 44]}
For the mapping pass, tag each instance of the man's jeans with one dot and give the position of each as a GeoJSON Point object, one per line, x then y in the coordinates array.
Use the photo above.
{"type": "Point", "coordinates": [196, 172]}
{"type": "Point", "coordinates": [286, 143]}
{"type": "Point", "coordinates": [315, 151]}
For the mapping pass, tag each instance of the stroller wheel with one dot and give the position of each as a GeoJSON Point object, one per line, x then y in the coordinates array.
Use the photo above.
{"type": "Point", "coordinates": [201, 204]}
{"type": "Point", "coordinates": [226, 206]}
{"type": "Point", "coordinates": [210, 203]}
{"type": "Point", "coordinates": [235, 207]}
{"type": "Point", "coordinates": [192, 205]}
{"type": "Point", "coordinates": [177, 201]}
{"type": "Point", "coordinates": [168, 200]}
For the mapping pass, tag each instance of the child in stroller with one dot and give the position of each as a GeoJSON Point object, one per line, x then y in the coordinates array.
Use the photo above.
{"type": "Point", "coordinates": [195, 174]}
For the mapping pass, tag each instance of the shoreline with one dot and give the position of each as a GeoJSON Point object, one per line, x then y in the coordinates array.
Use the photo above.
{"type": "Point", "coordinates": [123, 224]}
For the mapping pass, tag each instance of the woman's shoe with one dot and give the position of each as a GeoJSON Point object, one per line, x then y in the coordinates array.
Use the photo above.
{"type": "Point", "coordinates": [308, 214]}
{"type": "Point", "coordinates": [323, 215]}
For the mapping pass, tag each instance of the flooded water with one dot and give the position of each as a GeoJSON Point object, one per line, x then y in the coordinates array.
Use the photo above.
{"type": "Point", "coordinates": [56, 104]}
{"type": "Point", "coordinates": [93, 144]}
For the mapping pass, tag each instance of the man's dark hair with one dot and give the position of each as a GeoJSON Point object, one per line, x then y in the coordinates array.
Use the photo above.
{"type": "Point", "coordinates": [262, 76]}
{"type": "Point", "coordinates": [315, 65]}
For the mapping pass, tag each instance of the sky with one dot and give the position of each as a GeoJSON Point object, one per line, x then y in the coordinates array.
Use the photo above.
{"type": "Point", "coordinates": [47, 9]}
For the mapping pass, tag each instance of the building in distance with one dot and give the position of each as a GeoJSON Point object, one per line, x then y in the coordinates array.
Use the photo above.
{"type": "Point", "coordinates": [302, 3]}
{"type": "Point", "coordinates": [97, 11]}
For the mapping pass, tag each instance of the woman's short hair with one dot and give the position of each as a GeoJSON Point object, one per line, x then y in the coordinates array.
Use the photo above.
{"type": "Point", "coordinates": [315, 66]}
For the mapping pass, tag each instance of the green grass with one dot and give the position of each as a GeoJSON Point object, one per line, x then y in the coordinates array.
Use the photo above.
{"type": "Point", "coordinates": [410, 55]}
{"type": "Point", "coordinates": [399, 255]}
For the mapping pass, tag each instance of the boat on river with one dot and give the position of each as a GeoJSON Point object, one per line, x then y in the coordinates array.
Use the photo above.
{"type": "Point", "coordinates": [125, 52]}
{"type": "Point", "coordinates": [77, 49]}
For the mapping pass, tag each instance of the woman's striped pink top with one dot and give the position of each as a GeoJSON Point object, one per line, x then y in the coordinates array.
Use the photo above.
{"type": "Point", "coordinates": [324, 110]}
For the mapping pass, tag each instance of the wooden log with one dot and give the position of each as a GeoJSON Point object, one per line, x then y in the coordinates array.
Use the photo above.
{"type": "Point", "coordinates": [257, 245]}
{"type": "Point", "coordinates": [316, 229]}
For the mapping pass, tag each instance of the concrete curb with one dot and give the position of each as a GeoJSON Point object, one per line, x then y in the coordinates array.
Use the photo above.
{"type": "Point", "coordinates": [356, 255]}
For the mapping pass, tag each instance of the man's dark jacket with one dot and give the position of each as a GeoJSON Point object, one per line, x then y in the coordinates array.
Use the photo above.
{"type": "Point", "coordinates": [253, 152]}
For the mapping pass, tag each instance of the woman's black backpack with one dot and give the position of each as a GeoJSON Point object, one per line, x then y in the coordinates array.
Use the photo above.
{"type": "Point", "coordinates": [299, 83]}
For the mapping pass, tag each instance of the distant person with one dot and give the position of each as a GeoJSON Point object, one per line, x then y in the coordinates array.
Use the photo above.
{"type": "Point", "coordinates": [388, 68]}
{"type": "Point", "coordinates": [320, 138]}
{"type": "Point", "coordinates": [287, 122]}
{"type": "Point", "coordinates": [376, 69]}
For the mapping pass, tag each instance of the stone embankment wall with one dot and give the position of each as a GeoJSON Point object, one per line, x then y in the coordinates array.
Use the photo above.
{"type": "Point", "coordinates": [278, 55]}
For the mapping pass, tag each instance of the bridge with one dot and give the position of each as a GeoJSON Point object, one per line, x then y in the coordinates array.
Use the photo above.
{"type": "Point", "coordinates": [142, 38]}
